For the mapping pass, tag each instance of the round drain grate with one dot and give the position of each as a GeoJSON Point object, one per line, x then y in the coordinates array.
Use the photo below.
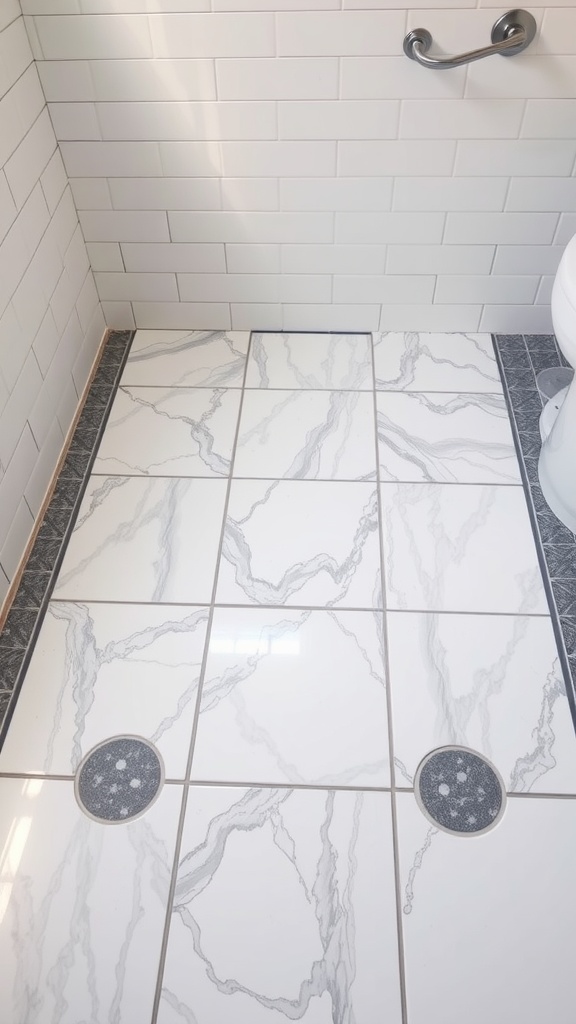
{"type": "Point", "coordinates": [459, 791]}
{"type": "Point", "coordinates": [119, 779]}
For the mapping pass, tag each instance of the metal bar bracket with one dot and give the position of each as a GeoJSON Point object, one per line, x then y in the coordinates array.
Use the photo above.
{"type": "Point", "coordinates": [511, 34]}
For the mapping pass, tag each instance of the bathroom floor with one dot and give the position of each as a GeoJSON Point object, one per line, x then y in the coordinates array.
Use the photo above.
{"type": "Point", "coordinates": [301, 564]}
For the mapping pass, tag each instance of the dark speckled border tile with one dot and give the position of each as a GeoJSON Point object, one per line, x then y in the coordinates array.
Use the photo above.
{"type": "Point", "coordinates": [520, 358]}
{"type": "Point", "coordinates": [25, 617]}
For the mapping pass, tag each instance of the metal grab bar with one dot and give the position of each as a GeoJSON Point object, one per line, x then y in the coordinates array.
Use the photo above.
{"type": "Point", "coordinates": [511, 34]}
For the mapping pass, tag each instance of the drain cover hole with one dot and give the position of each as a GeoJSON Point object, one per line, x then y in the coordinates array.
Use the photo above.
{"type": "Point", "coordinates": [459, 791]}
{"type": "Point", "coordinates": [119, 779]}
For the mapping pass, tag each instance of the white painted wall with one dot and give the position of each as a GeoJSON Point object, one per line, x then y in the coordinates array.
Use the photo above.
{"type": "Point", "coordinates": [280, 163]}
{"type": "Point", "coordinates": [50, 318]}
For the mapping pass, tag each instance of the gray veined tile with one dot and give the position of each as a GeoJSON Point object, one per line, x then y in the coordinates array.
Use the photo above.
{"type": "Point", "coordinates": [311, 361]}
{"type": "Point", "coordinates": [143, 539]}
{"type": "Point", "coordinates": [467, 548]}
{"type": "Point", "coordinates": [527, 410]}
{"type": "Point", "coordinates": [435, 362]}
{"type": "Point", "coordinates": [284, 910]}
{"type": "Point", "coordinates": [306, 435]}
{"type": "Point", "coordinates": [294, 696]}
{"type": "Point", "coordinates": [101, 670]}
{"type": "Point", "coordinates": [170, 432]}
{"type": "Point", "coordinates": [561, 560]}
{"type": "Point", "coordinates": [520, 379]}
{"type": "Point", "coordinates": [301, 543]}
{"type": "Point", "coordinates": [499, 909]}
{"type": "Point", "coordinates": [83, 906]}
{"type": "Point", "coordinates": [445, 437]}
{"type": "Point", "coordinates": [209, 359]}
{"type": "Point", "coordinates": [489, 682]}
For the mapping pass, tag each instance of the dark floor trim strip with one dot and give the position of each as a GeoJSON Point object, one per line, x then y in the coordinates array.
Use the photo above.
{"type": "Point", "coordinates": [520, 358]}
{"type": "Point", "coordinates": [28, 608]}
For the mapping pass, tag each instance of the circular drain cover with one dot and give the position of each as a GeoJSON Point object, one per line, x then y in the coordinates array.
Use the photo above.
{"type": "Point", "coordinates": [119, 779]}
{"type": "Point", "coordinates": [459, 791]}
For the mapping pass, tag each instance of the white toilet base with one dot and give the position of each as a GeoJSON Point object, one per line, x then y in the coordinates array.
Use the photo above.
{"type": "Point", "coordinates": [550, 413]}
{"type": "Point", "coordinates": [557, 464]}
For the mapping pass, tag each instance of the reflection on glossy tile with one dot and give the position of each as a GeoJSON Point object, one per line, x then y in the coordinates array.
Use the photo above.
{"type": "Point", "coordinates": [268, 558]}
{"type": "Point", "coordinates": [82, 906]}
{"type": "Point", "coordinates": [460, 549]}
{"type": "Point", "coordinates": [488, 922]}
{"type": "Point", "coordinates": [489, 682]}
{"type": "Point", "coordinates": [144, 540]}
{"type": "Point", "coordinates": [311, 361]}
{"type": "Point", "coordinates": [325, 435]}
{"type": "Point", "coordinates": [209, 359]}
{"type": "Point", "coordinates": [294, 697]}
{"type": "Point", "coordinates": [170, 432]}
{"type": "Point", "coordinates": [284, 910]}
{"type": "Point", "coordinates": [435, 362]}
{"type": "Point", "coordinates": [445, 437]}
{"type": "Point", "coordinates": [101, 670]}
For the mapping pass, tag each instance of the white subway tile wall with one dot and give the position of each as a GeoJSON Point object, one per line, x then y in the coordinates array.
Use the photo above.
{"type": "Point", "coordinates": [51, 322]}
{"type": "Point", "coordinates": [280, 163]}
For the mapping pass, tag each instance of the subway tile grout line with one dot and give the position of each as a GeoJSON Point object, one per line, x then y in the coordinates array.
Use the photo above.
{"type": "Point", "coordinates": [514, 405]}
{"type": "Point", "coordinates": [201, 679]}
{"type": "Point", "coordinates": [390, 737]}
{"type": "Point", "coordinates": [115, 339]}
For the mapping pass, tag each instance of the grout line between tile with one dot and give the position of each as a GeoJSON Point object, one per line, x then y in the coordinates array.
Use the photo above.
{"type": "Point", "coordinates": [317, 787]}
{"type": "Point", "coordinates": [180, 830]}
{"type": "Point", "coordinates": [298, 607]}
{"type": "Point", "coordinates": [315, 480]}
{"type": "Point", "coordinates": [393, 808]}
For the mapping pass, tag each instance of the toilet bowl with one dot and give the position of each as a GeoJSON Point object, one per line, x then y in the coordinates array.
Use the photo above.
{"type": "Point", "coordinates": [557, 464]}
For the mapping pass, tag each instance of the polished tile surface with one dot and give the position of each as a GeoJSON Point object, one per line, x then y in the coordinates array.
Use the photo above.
{"type": "Point", "coordinates": [445, 438]}
{"type": "Point", "coordinates": [459, 549]}
{"type": "Point", "coordinates": [221, 598]}
{"type": "Point", "coordinates": [208, 359]}
{"type": "Point", "coordinates": [267, 559]}
{"type": "Point", "coordinates": [136, 539]}
{"type": "Point", "coordinates": [500, 909]}
{"type": "Point", "coordinates": [489, 682]}
{"type": "Point", "coordinates": [170, 432]}
{"type": "Point", "coordinates": [310, 932]}
{"type": "Point", "coordinates": [294, 696]}
{"type": "Point", "coordinates": [435, 362]}
{"type": "Point", "coordinates": [105, 669]}
{"type": "Point", "coordinates": [311, 361]}
{"type": "Point", "coordinates": [83, 906]}
{"type": "Point", "coordinates": [307, 435]}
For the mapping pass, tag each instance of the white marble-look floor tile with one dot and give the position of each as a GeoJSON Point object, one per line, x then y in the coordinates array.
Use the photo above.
{"type": "Point", "coordinates": [208, 359]}
{"type": "Point", "coordinates": [146, 539]}
{"type": "Point", "coordinates": [307, 435]}
{"type": "Point", "coordinates": [170, 432]}
{"type": "Point", "coordinates": [294, 696]}
{"type": "Point", "coordinates": [435, 362]}
{"type": "Point", "coordinates": [459, 548]}
{"type": "Point", "coordinates": [82, 906]}
{"type": "Point", "coordinates": [445, 437]}
{"type": "Point", "coordinates": [312, 361]}
{"type": "Point", "coordinates": [284, 910]}
{"type": "Point", "coordinates": [301, 543]}
{"type": "Point", "coordinates": [100, 670]}
{"type": "Point", "coordinates": [489, 921]}
{"type": "Point", "coordinates": [489, 682]}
